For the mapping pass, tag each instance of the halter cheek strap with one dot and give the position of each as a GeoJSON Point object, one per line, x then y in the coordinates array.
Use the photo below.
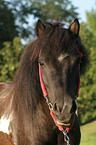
{"type": "Point", "coordinates": [41, 81]}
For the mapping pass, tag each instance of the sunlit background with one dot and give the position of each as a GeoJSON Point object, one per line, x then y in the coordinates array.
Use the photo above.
{"type": "Point", "coordinates": [83, 7]}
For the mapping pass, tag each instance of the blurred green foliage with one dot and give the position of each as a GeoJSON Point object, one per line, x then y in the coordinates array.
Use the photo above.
{"type": "Point", "coordinates": [87, 99]}
{"type": "Point", "coordinates": [50, 10]}
{"type": "Point", "coordinates": [10, 56]}
{"type": "Point", "coordinates": [8, 29]}
{"type": "Point", "coordinates": [91, 18]}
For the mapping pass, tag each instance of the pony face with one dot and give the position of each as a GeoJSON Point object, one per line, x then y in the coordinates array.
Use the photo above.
{"type": "Point", "coordinates": [60, 61]}
{"type": "Point", "coordinates": [61, 78]}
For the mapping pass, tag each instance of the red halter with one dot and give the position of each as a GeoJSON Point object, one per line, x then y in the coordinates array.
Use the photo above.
{"type": "Point", "coordinates": [46, 95]}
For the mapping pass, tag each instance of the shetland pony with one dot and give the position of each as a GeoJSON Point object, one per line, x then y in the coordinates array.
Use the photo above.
{"type": "Point", "coordinates": [40, 102]}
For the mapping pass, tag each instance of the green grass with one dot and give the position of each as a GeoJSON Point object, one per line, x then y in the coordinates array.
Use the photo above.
{"type": "Point", "coordinates": [88, 134]}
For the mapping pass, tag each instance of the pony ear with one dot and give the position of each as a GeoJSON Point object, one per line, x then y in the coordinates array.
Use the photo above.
{"type": "Point", "coordinates": [40, 27]}
{"type": "Point", "coordinates": [74, 27]}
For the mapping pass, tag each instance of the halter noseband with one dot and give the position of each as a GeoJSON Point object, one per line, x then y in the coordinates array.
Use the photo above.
{"type": "Point", "coordinates": [64, 130]}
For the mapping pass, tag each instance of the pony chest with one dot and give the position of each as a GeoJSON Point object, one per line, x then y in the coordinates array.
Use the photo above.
{"type": "Point", "coordinates": [5, 124]}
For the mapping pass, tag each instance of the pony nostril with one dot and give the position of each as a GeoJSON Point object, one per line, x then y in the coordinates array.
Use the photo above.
{"type": "Point", "coordinates": [74, 107]}
{"type": "Point", "coordinates": [60, 110]}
